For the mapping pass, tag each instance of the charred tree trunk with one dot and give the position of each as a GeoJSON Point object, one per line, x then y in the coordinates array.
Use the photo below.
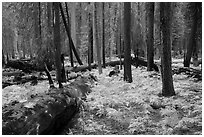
{"type": "Point", "coordinates": [127, 59]}
{"type": "Point", "coordinates": [192, 37]}
{"type": "Point", "coordinates": [90, 38]}
{"type": "Point", "coordinates": [150, 35]}
{"type": "Point", "coordinates": [57, 42]}
{"type": "Point", "coordinates": [166, 69]}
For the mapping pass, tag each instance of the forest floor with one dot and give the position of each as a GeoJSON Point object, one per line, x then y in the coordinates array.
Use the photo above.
{"type": "Point", "coordinates": [121, 108]}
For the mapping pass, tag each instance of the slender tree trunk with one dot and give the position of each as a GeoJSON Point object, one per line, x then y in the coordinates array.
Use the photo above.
{"type": "Point", "coordinates": [73, 26]}
{"type": "Point", "coordinates": [30, 50]}
{"type": "Point", "coordinates": [127, 27]}
{"type": "Point", "coordinates": [39, 24]}
{"type": "Point", "coordinates": [150, 35]}
{"type": "Point", "coordinates": [90, 37]}
{"type": "Point", "coordinates": [121, 34]}
{"type": "Point", "coordinates": [166, 69]}
{"type": "Point", "coordinates": [3, 58]}
{"type": "Point", "coordinates": [36, 27]}
{"type": "Point", "coordinates": [195, 54]}
{"type": "Point", "coordinates": [23, 48]}
{"type": "Point", "coordinates": [96, 36]}
{"type": "Point", "coordinates": [103, 35]}
{"type": "Point", "coordinates": [192, 37]}
{"type": "Point", "coordinates": [69, 36]}
{"type": "Point", "coordinates": [7, 57]}
{"type": "Point", "coordinates": [110, 38]}
{"type": "Point", "coordinates": [57, 42]}
{"type": "Point", "coordinates": [70, 47]}
{"type": "Point", "coordinates": [79, 13]}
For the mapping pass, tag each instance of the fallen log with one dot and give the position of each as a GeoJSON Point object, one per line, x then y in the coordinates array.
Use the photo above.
{"type": "Point", "coordinates": [139, 61]}
{"type": "Point", "coordinates": [22, 79]}
{"type": "Point", "coordinates": [44, 114]}
{"type": "Point", "coordinates": [12, 73]}
{"type": "Point", "coordinates": [134, 61]}
{"type": "Point", "coordinates": [22, 65]}
{"type": "Point", "coordinates": [191, 72]}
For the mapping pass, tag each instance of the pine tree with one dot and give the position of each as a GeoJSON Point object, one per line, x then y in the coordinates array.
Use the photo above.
{"type": "Point", "coordinates": [166, 69]}
{"type": "Point", "coordinates": [127, 26]}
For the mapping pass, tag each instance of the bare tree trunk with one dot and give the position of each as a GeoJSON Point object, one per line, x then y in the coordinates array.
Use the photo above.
{"type": "Point", "coordinates": [57, 42]}
{"type": "Point", "coordinates": [70, 47]}
{"type": "Point", "coordinates": [39, 25]}
{"type": "Point", "coordinates": [79, 21]}
{"type": "Point", "coordinates": [166, 69]}
{"type": "Point", "coordinates": [96, 36]}
{"type": "Point", "coordinates": [192, 37]}
{"type": "Point", "coordinates": [90, 39]}
{"type": "Point", "coordinates": [127, 26]}
{"type": "Point", "coordinates": [69, 36]}
{"type": "Point", "coordinates": [3, 58]}
{"type": "Point", "coordinates": [30, 48]}
{"type": "Point", "coordinates": [103, 35]}
{"type": "Point", "coordinates": [150, 35]}
{"type": "Point", "coordinates": [121, 34]}
{"type": "Point", "coordinates": [73, 26]}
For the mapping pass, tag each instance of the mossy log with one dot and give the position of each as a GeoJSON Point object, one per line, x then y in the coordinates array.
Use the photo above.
{"type": "Point", "coordinates": [44, 114]}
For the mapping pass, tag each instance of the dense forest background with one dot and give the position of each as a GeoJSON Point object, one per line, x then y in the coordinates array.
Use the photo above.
{"type": "Point", "coordinates": [27, 29]}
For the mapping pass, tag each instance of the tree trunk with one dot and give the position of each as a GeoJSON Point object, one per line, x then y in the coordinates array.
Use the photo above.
{"type": "Point", "coordinates": [150, 35]}
{"type": "Point", "coordinates": [36, 27]}
{"type": "Point", "coordinates": [30, 50]}
{"type": "Point", "coordinates": [103, 35]}
{"type": "Point", "coordinates": [127, 27]}
{"type": "Point", "coordinates": [90, 39]}
{"type": "Point", "coordinates": [3, 58]}
{"type": "Point", "coordinates": [57, 42]}
{"type": "Point", "coordinates": [192, 37]}
{"type": "Point", "coordinates": [166, 69]}
{"type": "Point", "coordinates": [69, 36]}
{"type": "Point", "coordinates": [73, 27]}
{"type": "Point", "coordinates": [39, 32]}
{"type": "Point", "coordinates": [96, 36]}
{"type": "Point", "coordinates": [79, 21]}
{"type": "Point", "coordinates": [70, 47]}
{"type": "Point", "coordinates": [73, 23]}
{"type": "Point", "coordinates": [195, 54]}
{"type": "Point", "coordinates": [121, 34]}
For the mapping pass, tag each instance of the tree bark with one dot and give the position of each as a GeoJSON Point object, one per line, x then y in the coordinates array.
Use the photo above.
{"type": "Point", "coordinates": [127, 27]}
{"type": "Point", "coordinates": [3, 58]}
{"type": "Point", "coordinates": [90, 39]}
{"type": "Point", "coordinates": [96, 36]}
{"type": "Point", "coordinates": [192, 37]}
{"type": "Point", "coordinates": [69, 36]}
{"type": "Point", "coordinates": [166, 68]}
{"type": "Point", "coordinates": [150, 35]}
{"type": "Point", "coordinates": [103, 35]}
{"type": "Point", "coordinates": [70, 47]}
{"type": "Point", "coordinates": [57, 43]}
